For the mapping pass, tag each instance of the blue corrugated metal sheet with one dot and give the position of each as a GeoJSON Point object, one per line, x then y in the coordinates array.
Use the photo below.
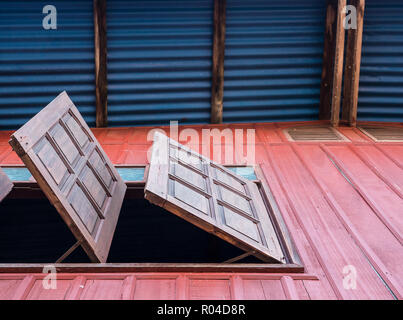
{"type": "Point", "coordinates": [159, 61]}
{"type": "Point", "coordinates": [273, 60]}
{"type": "Point", "coordinates": [37, 64]}
{"type": "Point", "coordinates": [381, 79]}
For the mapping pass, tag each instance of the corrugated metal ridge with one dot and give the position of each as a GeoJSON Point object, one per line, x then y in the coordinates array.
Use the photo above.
{"type": "Point", "coordinates": [381, 77]}
{"type": "Point", "coordinates": [37, 64]}
{"type": "Point", "coordinates": [159, 61]}
{"type": "Point", "coordinates": [273, 60]}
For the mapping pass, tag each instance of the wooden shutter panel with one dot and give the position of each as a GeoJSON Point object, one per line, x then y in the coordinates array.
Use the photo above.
{"type": "Point", "coordinates": [211, 197]}
{"type": "Point", "coordinates": [74, 172]}
{"type": "Point", "coordinates": [5, 185]}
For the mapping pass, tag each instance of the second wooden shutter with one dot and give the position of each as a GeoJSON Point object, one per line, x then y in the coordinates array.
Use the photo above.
{"type": "Point", "coordinates": [211, 197]}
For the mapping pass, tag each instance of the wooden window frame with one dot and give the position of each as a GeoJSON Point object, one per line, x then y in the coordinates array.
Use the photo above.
{"type": "Point", "coordinates": [337, 133]}
{"type": "Point", "coordinates": [136, 189]}
{"type": "Point", "coordinates": [364, 130]}
{"type": "Point", "coordinates": [136, 183]}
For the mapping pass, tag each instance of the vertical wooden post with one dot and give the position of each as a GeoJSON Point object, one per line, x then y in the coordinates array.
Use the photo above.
{"type": "Point", "coordinates": [101, 83]}
{"type": "Point", "coordinates": [332, 72]}
{"type": "Point", "coordinates": [352, 66]}
{"type": "Point", "coordinates": [217, 82]}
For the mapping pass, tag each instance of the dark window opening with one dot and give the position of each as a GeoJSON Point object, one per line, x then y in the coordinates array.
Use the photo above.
{"type": "Point", "coordinates": [31, 231]}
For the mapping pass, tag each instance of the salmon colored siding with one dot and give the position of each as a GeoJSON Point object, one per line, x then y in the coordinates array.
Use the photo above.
{"type": "Point", "coordinates": [341, 201]}
{"type": "Point", "coordinates": [164, 286]}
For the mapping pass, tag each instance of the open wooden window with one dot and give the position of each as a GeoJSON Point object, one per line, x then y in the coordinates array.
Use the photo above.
{"type": "Point", "coordinates": [211, 197]}
{"type": "Point", "coordinates": [5, 185]}
{"type": "Point", "coordinates": [74, 172]}
{"type": "Point", "coordinates": [147, 237]}
{"type": "Point", "coordinates": [64, 159]}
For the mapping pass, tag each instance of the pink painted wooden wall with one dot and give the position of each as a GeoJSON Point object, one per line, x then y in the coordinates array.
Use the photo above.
{"type": "Point", "coordinates": [337, 219]}
{"type": "Point", "coordinates": [167, 286]}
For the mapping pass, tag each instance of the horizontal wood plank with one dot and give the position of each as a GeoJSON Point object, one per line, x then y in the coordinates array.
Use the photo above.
{"type": "Point", "coordinates": [154, 267]}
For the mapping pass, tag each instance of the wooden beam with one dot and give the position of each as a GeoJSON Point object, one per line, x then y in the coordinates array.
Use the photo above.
{"type": "Point", "coordinates": [327, 65]}
{"type": "Point", "coordinates": [297, 270]}
{"type": "Point", "coordinates": [217, 82]}
{"type": "Point", "coordinates": [332, 71]}
{"type": "Point", "coordinates": [68, 252]}
{"type": "Point", "coordinates": [101, 83]}
{"type": "Point", "coordinates": [352, 66]}
{"type": "Point", "coordinates": [240, 257]}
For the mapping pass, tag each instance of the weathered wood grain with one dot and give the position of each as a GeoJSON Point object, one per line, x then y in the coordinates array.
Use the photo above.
{"type": "Point", "coordinates": [352, 66]}
{"type": "Point", "coordinates": [101, 71]}
{"type": "Point", "coordinates": [332, 71]}
{"type": "Point", "coordinates": [217, 80]}
{"type": "Point", "coordinates": [160, 267]}
{"type": "Point", "coordinates": [212, 198]}
{"type": "Point", "coordinates": [74, 172]}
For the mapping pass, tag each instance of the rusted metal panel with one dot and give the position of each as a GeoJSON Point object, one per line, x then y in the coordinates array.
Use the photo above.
{"type": "Point", "coordinates": [341, 202]}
